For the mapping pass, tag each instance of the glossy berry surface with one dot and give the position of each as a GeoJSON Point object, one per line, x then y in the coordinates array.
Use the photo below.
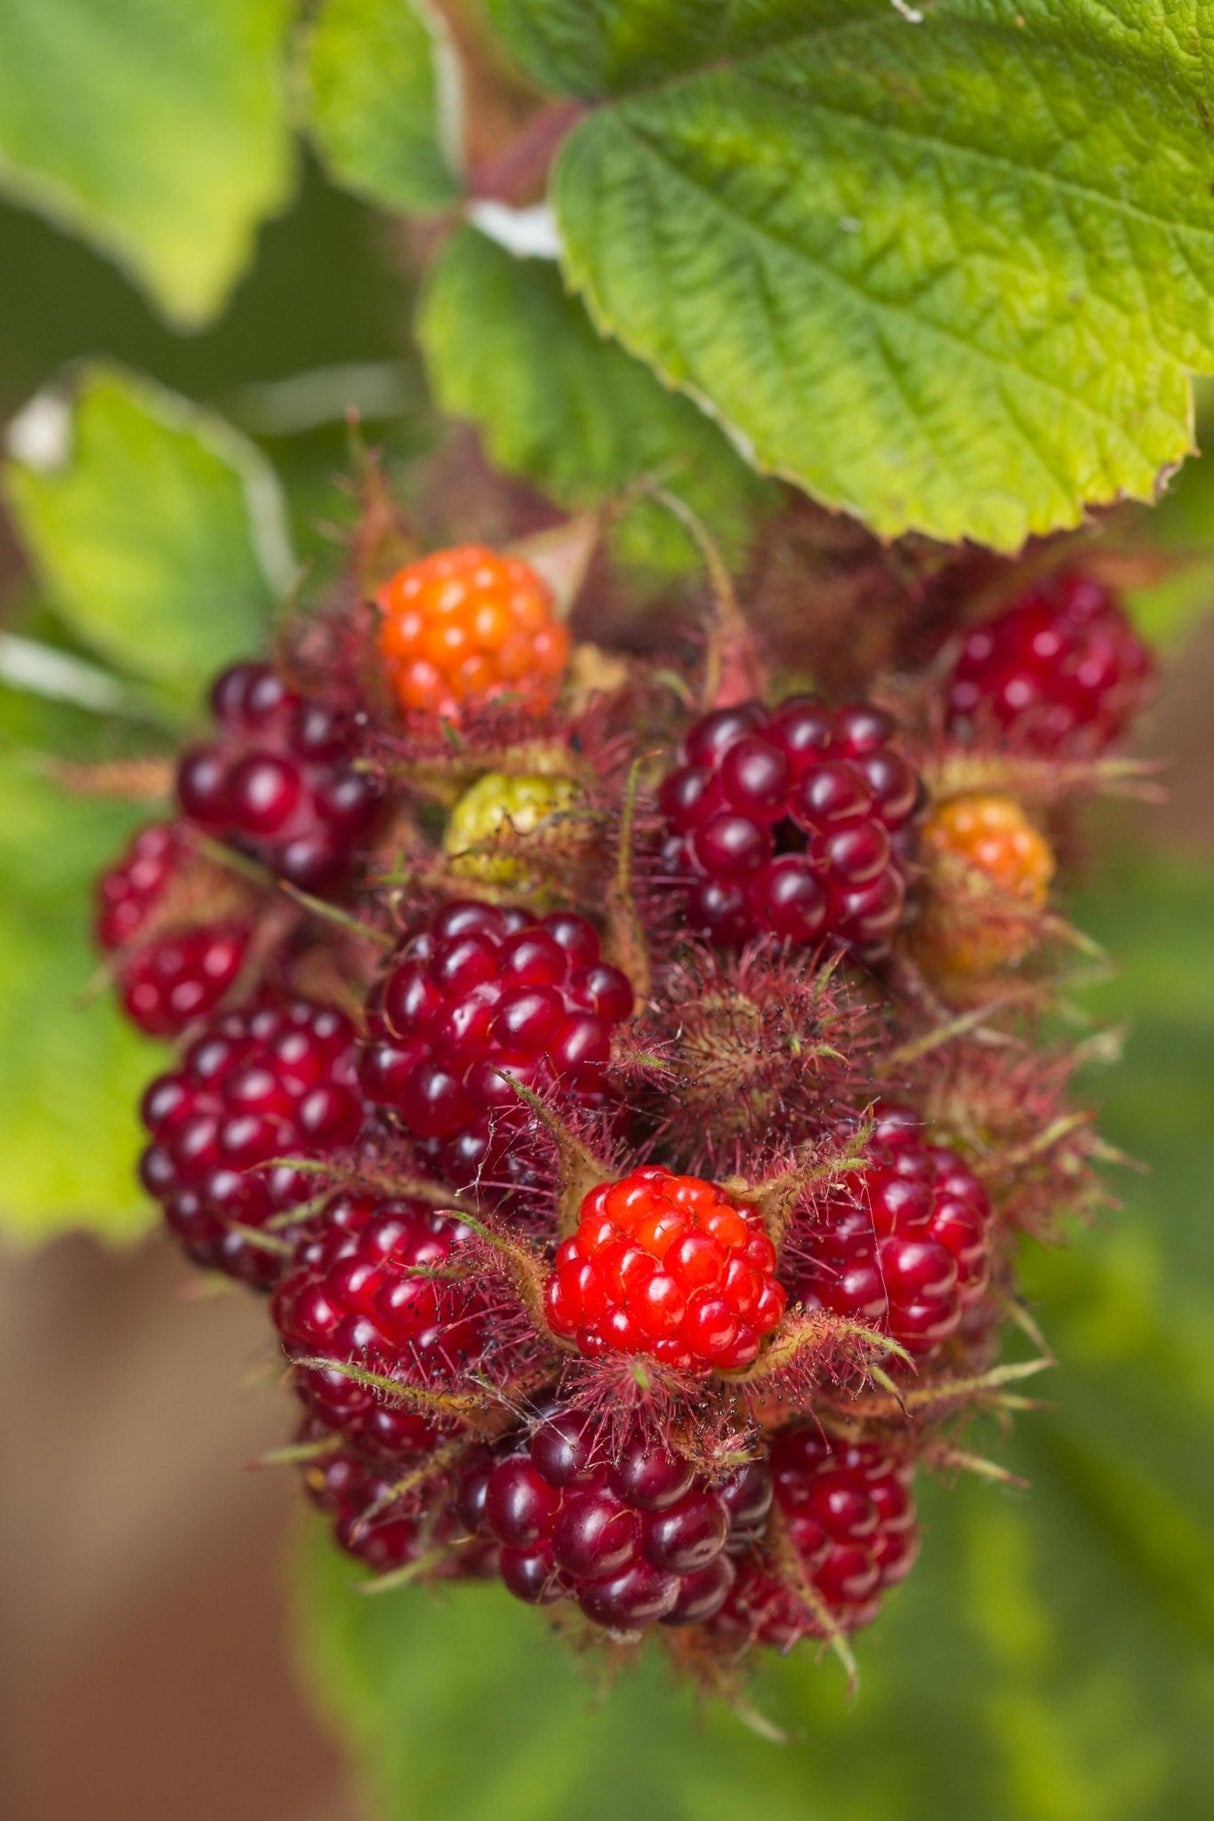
{"type": "Point", "coordinates": [362, 1291]}
{"type": "Point", "coordinates": [627, 1530]}
{"type": "Point", "coordinates": [667, 1266]}
{"type": "Point", "coordinates": [275, 1080]}
{"type": "Point", "coordinates": [849, 1515]}
{"type": "Point", "coordinates": [279, 780]}
{"type": "Point", "coordinates": [790, 822]}
{"type": "Point", "coordinates": [466, 626]}
{"type": "Point", "coordinates": [1060, 671]}
{"type": "Point", "coordinates": [170, 968]}
{"type": "Point", "coordinates": [902, 1246]}
{"type": "Point", "coordinates": [478, 994]}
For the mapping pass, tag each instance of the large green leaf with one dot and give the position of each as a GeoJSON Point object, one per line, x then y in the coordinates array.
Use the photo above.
{"type": "Point", "coordinates": [951, 275]}
{"type": "Point", "coordinates": [509, 348]}
{"type": "Point", "coordinates": [1048, 1659]}
{"type": "Point", "coordinates": [384, 102]}
{"type": "Point", "coordinates": [154, 527]}
{"type": "Point", "coordinates": [157, 130]}
{"type": "Point", "coordinates": [71, 1074]}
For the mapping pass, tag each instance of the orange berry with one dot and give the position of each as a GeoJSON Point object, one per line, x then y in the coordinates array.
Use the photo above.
{"type": "Point", "coordinates": [989, 879]}
{"type": "Point", "coordinates": [467, 625]}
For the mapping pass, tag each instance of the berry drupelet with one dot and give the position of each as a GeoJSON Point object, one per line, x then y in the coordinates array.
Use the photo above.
{"type": "Point", "coordinates": [670, 1267]}
{"type": "Point", "coordinates": [791, 822]}
{"type": "Point", "coordinates": [481, 997]}
{"type": "Point", "coordinates": [1059, 672]}
{"type": "Point", "coordinates": [373, 1284]}
{"type": "Point", "coordinates": [170, 967]}
{"type": "Point", "coordinates": [279, 780]}
{"type": "Point", "coordinates": [849, 1518]}
{"type": "Point", "coordinates": [465, 627]}
{"type": "Point", "coordinates": [274, 1080]}
{"type": "Point", "coordinates": [902, 1246]}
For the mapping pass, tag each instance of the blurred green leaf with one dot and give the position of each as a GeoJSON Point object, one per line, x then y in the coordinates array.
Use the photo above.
{"type": "Point", "coordinates": [1048, 1660]}
{"type": "Point", "coordinates": [384, 102]}
{"type": "Point", "coordinates": [155, 528]}
{"type": "Point", "coordinates": [154, 129]}
{"type": "Point", "coordinates": [508, 347]}
{"type": "Point", "coordinates": [71, 1075]}
{"type": "Point", "coordinates": [947, 267]}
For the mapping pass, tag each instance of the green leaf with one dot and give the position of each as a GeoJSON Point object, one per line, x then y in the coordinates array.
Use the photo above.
{"type": "Point", "coordinates": [1048, 1659]}
{"type": "Point", "coordinates": [155, 529]}
{"type": "Point", "coordinates": [154, 129]}
{"type": "Point", "coordinates": [71, 1074]}
{"type": "Point", "coordinates": [384, 102]}
{"type": "Point", "coordinates": [950, 275]}
{"type": "Point", "coordinates": [509, 348]}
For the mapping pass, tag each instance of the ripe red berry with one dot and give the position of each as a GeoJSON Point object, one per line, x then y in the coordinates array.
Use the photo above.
{"type": "Point", "coordinates": [478, 991]}
{"type": "Point", "coordinates": [170, 968]}
{"type": "Point", "coordinates": [850, 1517]}
{"type": "Point", "coordinates": [1061, 670]}
{"type": "Point", "coordinates": [367, 1288]}
{"type": "Point", "coordinates": [276, 1079]}
{"type": "Point", "coordinates": [279, 781]}
{"type": "Point", "coordinates": [789, 822]}
{"type": "Point", "coordinates": [902, 1246]}
{"type": "Point", "coordinates": [667, 1266]}
{"type": "Point", "coordinates": [631, 1533]}
{"type": "Point", "coordinates": [466, 626]}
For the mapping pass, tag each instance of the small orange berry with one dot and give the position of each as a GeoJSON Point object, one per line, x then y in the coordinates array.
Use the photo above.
{"type": "Point", "coordinates": [465, 626]}
{"type": "Point", "coordinates": [989, 874]}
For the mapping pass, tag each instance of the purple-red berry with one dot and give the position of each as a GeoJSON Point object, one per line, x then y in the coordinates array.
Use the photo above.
{"type": "Point", "coordinates": [902, 1246]}
{"type": "Point", "coordinates": [790, 822]}
{"type": "Point", "coordinates": [173, 961]}
{"type": "Point", "coordinates": [478, 999]}
{"type": "Point", "coordinates": [280, 780]}
{"type": "Point", "coordinates": [254, 1090]}
{"type": "Point", "coordinates": [1061, 671]}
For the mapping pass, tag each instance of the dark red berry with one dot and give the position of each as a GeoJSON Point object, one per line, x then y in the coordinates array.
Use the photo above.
{"type": "Point", "coordinates": [386, 1529]}
{"type": "Point", "coordinates": [477, 999]}
{"type": "Point", "coordinates": [173, 961]}
{"type": "Point", "coordinates": [849, 1515]}
{"type": "Point", "coordinates": [902, 1246]}
{"type": "Point", "coordinates": [374, 1284]}
{"type": "Point", "coordinates": [1060, 671]}
{"type": "Point", "coordinates": [629, 1530]}
{"type": "Point", "coordinates": [791, 822]}
{"type": "Point", "coordinates": [668, 1266]}
{"type": "Point", "coordinates": [275, 1080]}
{"type": "Point", "coordinates": [279, 780]}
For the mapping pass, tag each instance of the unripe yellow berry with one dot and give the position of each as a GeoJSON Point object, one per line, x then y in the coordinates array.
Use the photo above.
{"type": "Point", "coordinates": [486, 834]}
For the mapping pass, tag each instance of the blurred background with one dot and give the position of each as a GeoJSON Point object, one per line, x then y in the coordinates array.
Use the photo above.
{"type": "Point", "coordinates": [1049, 1661]}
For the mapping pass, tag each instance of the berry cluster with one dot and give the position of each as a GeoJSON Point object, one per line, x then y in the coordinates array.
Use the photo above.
{"type": "Point", "coordinates": [634, 1225]}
